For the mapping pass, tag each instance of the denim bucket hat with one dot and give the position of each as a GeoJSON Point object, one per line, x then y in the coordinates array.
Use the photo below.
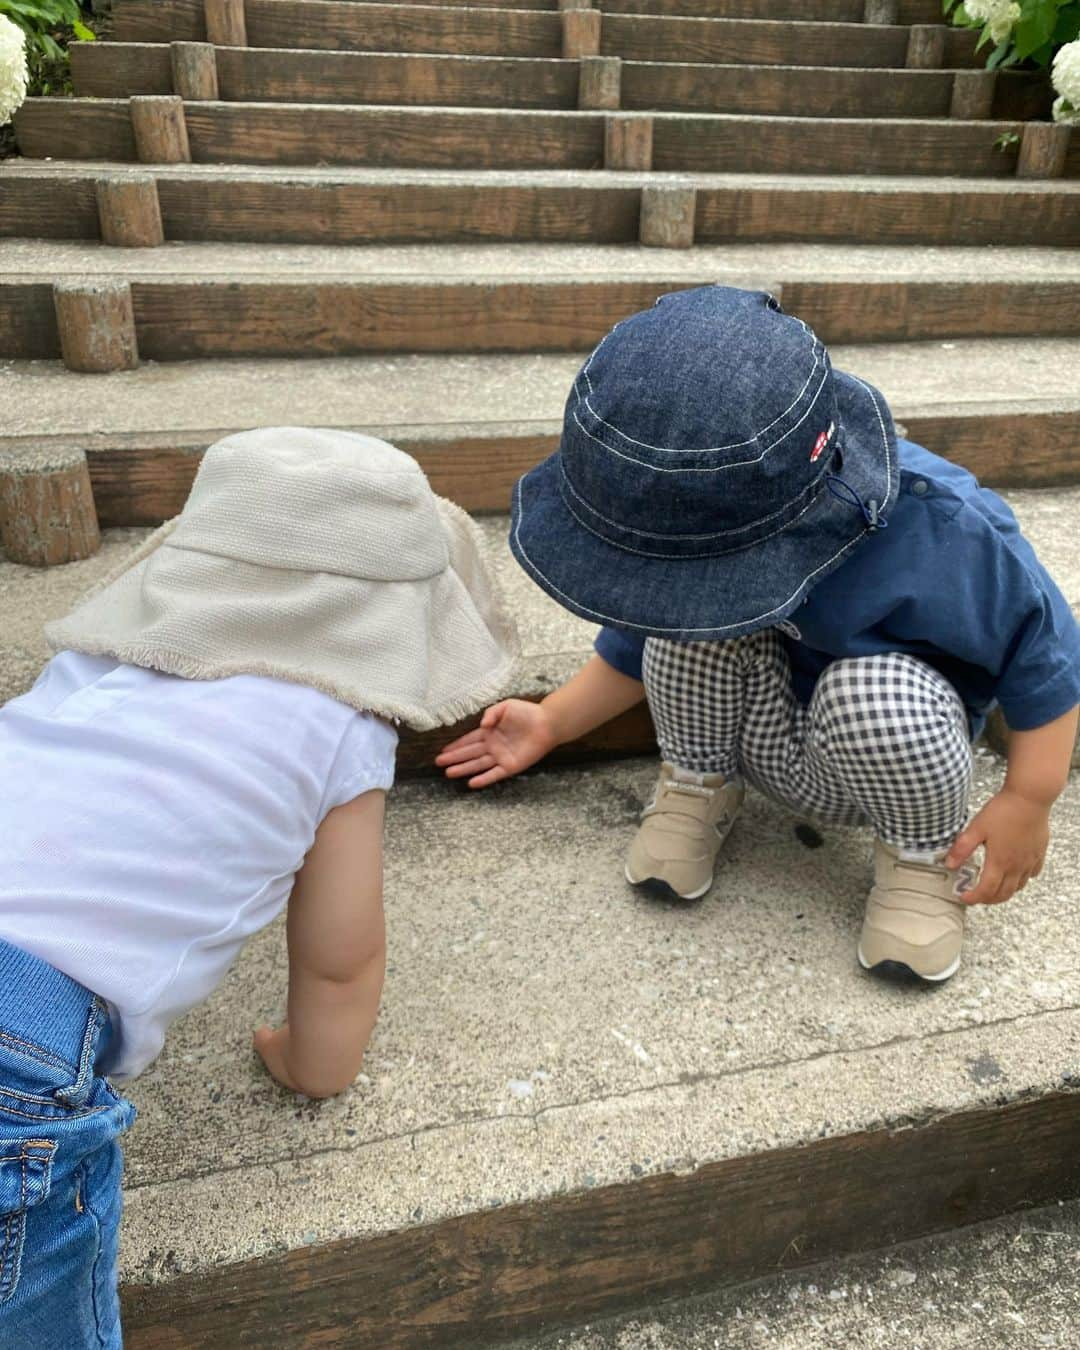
{"type": "Point", "coordinates": [713, 467]}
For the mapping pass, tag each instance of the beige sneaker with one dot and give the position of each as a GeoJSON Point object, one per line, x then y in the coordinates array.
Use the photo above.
{"type": "Point", "coordinates": [681, 832]}
{"type": "Point", "coordinates": [914, 922]}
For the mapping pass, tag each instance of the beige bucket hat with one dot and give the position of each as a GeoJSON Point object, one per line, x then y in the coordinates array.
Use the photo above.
{"type": "Point", "coordinates": [317, 556]}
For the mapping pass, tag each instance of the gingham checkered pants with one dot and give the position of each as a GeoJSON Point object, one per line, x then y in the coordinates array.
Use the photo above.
{"type": "Point", "coordinates": [884, 741]}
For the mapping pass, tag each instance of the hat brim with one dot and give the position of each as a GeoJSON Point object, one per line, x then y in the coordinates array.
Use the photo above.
{"type": "Point", "coordinates": [427, 654]}
{"type": "Point", "coordinates": [722, 596]}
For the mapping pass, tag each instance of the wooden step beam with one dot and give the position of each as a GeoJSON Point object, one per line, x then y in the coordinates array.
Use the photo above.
{"type": "Point", "coordinates": [132, 15]}
{"type": "Point", "coordinates": [243, 207]}
{"type": "Point", "coordinates": [183, 319]}
{"type": "Point", "coordinates": [490, 139]}
{"type": "Point", "coordinates": [574, 1257]}
{"type": "Point", "coordinates": [197, 71]}
{"type": "Point", "coordinates": [342, 25]}
{"type": "Point", "coordinates": [143, 478]}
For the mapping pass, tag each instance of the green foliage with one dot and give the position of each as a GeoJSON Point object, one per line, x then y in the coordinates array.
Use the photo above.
{"type": "Point", "coordinates": [48, 25]}
{"type": "Point", "coordinates": [1043, 27]}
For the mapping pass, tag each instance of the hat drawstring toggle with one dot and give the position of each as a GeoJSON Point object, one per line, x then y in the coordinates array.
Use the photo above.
{"type": "Point", "coordinates": [870, 509]}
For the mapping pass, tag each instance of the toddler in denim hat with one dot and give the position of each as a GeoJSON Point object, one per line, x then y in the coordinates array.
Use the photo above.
{"type": "Point", "coordinates": [811, 607]}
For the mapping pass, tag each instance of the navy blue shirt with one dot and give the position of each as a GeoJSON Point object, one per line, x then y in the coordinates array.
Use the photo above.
{"type": "Point", "coordinates": [952, 581]}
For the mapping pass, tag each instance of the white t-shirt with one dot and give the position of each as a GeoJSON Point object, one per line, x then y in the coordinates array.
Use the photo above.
{"type": "Point", "coordinates": [149, 825]}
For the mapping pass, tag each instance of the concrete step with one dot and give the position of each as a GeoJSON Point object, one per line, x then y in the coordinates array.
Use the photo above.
{"type": "Point", "coordinates": [274, 133]}
{"type": "Point", "coordinates": [577, 1098]}
{"type": "Point", "coordinates": [339, 206]}
{"type": "Point", "coordinates": [113, 70]}
{"type": "Point", "coordinates": [1006, 1285]}
{"type": "Point", "coordinates": [340, 25]}
{"type": "Point", "coordinates": [1007, 409]}
{"type": "Point", "coordinates": [194, 301]}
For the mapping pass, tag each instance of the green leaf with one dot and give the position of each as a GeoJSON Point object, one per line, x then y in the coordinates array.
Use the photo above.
{"type": "Point", "coordinates": [1035, 27]}
{"type": "Point", "coordinates": [83, 33]}
{"type": "Point", "coordinates": [1068, 26]}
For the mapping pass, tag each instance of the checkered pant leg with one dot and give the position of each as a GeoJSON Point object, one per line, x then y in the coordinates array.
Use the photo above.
{"type": "Point", "coordinates": [884, 741]}
{"type": "Point", "coordinates": [894, 733]}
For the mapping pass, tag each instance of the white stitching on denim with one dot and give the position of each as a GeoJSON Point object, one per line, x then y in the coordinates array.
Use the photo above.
{"type": "Point", "coordinates": [719, 468]}
{"type": "Point", "coordinates": [818, 348]}
{"type": "Point", "coordinates": [651, 534]}
{"type": "Point", "coordinates": [884, 433]}
{"type": "Point", "coordinates": [575, 607]}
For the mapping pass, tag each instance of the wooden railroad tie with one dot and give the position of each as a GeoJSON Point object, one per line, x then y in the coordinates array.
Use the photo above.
{"type": "Point", "coordinates": [926, 46]}
{"type": "Point", "coordinates": [96, 320]}
{"type": "Point", "coordinates": [667, 216]}
{"type": "Point", "coordinates": [194, 70]}
{"type": "Point", "coordinates": [226, 23]}
{"type": "Point", "coordinates": [160, 129]}
{"type": "Point", "coordinates": [47, 514]}
{"type": "Point", "coordinates": [129, 212]}
{"type": "Point", "coordinates": [600, 84]}
{"type": "Point", "coordinates": [628, 142]}
{"type": "Point", "coordinates": [580, 33]}
{"type": "Point", "coordinates": [1043, 150]}
{"type": "Point", "coordinates": [880, 11]}
{"type": "Point", "coordinates": [973, 94]}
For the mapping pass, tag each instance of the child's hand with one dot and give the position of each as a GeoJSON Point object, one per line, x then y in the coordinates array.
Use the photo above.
{"type": "Point", "coordinates": [272, 1047]}
{"type": "Point", "coordinates": [1016, 833]}
{"type": "Point", "coordinates": [511, 736]}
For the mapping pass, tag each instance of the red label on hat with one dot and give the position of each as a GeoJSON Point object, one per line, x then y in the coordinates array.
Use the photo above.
{"type": "Point", "coordinates": [821, 442]}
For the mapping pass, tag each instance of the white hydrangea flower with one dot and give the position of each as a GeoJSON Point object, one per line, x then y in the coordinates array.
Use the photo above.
{"type": "Point", "coordinates": [1000, 15]}
{"type": "Point", "coordinates": [1065, 73]}
{"type": "Point", "coordinates": [1063, 111]}
{"type": "Point", "coordinates": [12, 69]}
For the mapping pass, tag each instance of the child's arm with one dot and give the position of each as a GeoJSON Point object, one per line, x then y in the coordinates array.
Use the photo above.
{"type": "Point", "coordinates": [1015, 825]}
{"type": "Point", "coordinates": [337, 954]}
{"type": "Point", "coordinates": [514, 734]}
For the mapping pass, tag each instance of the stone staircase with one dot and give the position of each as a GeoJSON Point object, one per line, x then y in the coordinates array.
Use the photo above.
{"type": "Point", "coordinates": [414, 219]}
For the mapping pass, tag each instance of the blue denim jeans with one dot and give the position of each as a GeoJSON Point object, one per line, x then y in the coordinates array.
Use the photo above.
{"type": "Point", "coordinates": [60, 1163]}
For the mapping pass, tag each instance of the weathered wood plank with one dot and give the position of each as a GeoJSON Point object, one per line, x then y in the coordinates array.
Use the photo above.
{"type": "Point", "coordinates": [300, 212]}
{"type": "Point", "coordinates": [48, 208]}
{"type": "Point", "coordinates": [785, 90]}
{"type": "Point", "coordinates": [421, 137]}
{"type": "Point", "coordinates": [296, 134]}
{"type": "Point", "coordinates": [272, 75]}
{"type": "Point", "coordinates": [751, 42]}
{"type": "Point", "coordinates": [119, 69]}
{"type": "Point", "coordinates": [900, 311]}
{"type": "Point", "coordinates": [402, 28]}
{"type": "Point", "coordinates": [361, 77]}
{"type": "Point", "coordinates": [776, 145]}
{"type": "Point", "coordinates": [824, 11]}
{"type": "Point", "coordinates": [185, 319]}
{"type": "Point", "coordinates": [48, 127]}
{"type": "Point", "coordinates": [341, 25]}
{"type": "Point", "coordinates": [219, 207]}
{"type": "Point", "coordinates": [576, 1256]}
{"type": "Point", "coordinates": [180, 321]}
{"type": "Point", "coordinates": [28, 322]}
{"type": "Point", "coordinates": [1008, 216]}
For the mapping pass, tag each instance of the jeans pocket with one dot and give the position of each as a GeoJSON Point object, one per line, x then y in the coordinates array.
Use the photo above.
{"type": "Point", "coordinates": [25, 1175]}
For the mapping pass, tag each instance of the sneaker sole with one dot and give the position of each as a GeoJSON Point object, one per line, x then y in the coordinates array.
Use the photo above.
{"type": "Point", "coordinates": [892, 969]}
{"type": "Point", "coordinates": [666, 891]}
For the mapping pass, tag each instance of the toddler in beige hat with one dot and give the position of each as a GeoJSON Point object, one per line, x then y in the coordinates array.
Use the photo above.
{"type": "Point", "coordinates": [213, 740]}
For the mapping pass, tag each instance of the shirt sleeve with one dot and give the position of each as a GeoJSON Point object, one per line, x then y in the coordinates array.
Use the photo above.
{"type": "Point", "coordinates": [364, 761]}
{"type": "Point", "coordinates": [621, 651]}
{"type": "Point", "coordinates": [1005, 614]}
